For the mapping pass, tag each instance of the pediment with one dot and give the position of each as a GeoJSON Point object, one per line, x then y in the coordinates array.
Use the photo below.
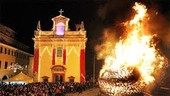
{"type": "Point", "coordinates": [60, 18]}
{"type": "Point", "coordinates": [58, 68]}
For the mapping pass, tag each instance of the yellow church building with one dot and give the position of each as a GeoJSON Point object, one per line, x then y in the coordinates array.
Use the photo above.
{"type": "Point", "coordinates": [59, 54]}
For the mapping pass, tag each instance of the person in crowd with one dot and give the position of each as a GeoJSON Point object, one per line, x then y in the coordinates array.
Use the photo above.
{"type": "Point", "coordinates": [43, 88]}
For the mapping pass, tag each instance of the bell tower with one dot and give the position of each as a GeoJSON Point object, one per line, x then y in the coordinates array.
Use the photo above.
{"type": "Point", "coordinates": [60, 24]}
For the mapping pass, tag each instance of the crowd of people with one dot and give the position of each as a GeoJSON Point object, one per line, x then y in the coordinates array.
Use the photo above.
{"type": "Point", "coordinates": [44, 88]}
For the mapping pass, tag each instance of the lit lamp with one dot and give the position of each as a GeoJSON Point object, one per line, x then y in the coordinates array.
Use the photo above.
{"type": "Point", "coordinates": [15, 66]}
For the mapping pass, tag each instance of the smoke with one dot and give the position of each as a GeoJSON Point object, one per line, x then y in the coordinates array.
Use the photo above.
{"type": "Point", "coordinates": [112, 13]}
{"type": "Point", "coordinates": [157, 24]}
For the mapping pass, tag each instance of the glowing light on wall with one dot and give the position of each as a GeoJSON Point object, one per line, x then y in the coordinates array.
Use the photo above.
{"type": "Point", "coordinates": [46, 49]}
{"type": "Point", "coordinates": [68, 52]}
{"type": "Point", "coordinates": [73, 49]}
{"type": "Point", "coordinates": [15, 66]}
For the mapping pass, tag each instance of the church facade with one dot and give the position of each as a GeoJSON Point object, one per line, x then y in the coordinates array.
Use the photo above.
{"type": "Point", "coordinates": [59, 54]}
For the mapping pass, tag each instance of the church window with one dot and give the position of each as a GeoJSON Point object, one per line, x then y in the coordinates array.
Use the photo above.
{"type": "Point", "coordinates": [60, 28]}
{"type": "Point", "coordinates": [59, 52]}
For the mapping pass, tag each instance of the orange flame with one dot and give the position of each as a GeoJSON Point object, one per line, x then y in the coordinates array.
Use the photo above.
{"type": "Point", "coordinates": [136, 51]}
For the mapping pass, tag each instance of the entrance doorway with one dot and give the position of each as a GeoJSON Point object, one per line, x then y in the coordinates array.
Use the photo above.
{"type": "Point", "coordinates": [58, 73]}
{"type": "Point", "coordinates": [5, 77]}
{"type": "Point", "coordinates": [71, 78]}
{"type": "Point", "coordinates": [59, 78]}
{"type": "Point", "coordinates": [45, 78]}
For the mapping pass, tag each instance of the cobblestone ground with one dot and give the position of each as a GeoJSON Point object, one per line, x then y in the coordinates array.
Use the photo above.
{"type": "Point", "coordinates": [89, 92]}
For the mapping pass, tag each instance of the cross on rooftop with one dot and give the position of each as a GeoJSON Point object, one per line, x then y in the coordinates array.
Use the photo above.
{"type": "Point", "coordinates": [61, 11]}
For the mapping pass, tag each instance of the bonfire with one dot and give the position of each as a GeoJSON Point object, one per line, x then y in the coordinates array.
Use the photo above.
{"type": "Point", "coordinates": [134, 62]}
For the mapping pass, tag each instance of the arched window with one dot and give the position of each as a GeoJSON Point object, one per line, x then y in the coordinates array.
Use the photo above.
{"type": "Point", "coordinates": [60, 28]}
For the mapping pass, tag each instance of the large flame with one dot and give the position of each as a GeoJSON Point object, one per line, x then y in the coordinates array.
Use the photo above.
{"type": "Point", "coordinates": [136, 51]}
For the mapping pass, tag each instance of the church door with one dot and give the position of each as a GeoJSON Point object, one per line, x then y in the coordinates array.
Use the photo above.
{"type": "Point", "coordinates": [58, 73]}
{"type": "Point", "coordinates": [58, 77]}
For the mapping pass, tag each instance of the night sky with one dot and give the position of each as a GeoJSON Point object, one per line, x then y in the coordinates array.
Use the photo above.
{"type": "Point", "coordinates": [23, 15]}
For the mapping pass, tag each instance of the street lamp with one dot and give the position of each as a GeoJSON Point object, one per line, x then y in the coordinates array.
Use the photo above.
{"type": "Point", "coordinates": [15, 66]}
